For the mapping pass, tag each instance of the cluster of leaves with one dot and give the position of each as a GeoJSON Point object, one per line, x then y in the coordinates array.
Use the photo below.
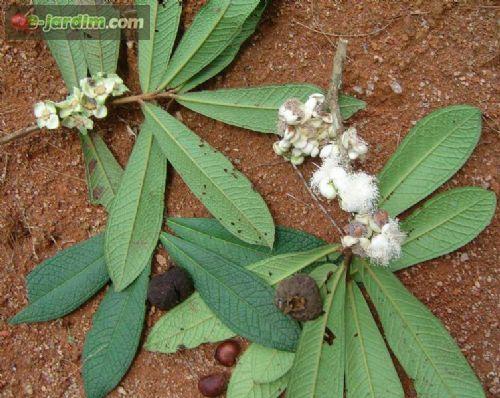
{"type": "Point", "coordinates": [235, 258]}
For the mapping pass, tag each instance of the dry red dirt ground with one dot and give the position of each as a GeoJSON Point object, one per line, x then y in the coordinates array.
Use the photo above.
{"type": "Point", "coordinates": [439, 52]}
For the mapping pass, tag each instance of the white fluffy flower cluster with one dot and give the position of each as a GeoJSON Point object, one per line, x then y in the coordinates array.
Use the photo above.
{"type": "Point", "coordinates": [304, 127]}
{"type": "Point", "coordinates": [86, 101]}
{"type": "Point", "coordinates": [375, 235]}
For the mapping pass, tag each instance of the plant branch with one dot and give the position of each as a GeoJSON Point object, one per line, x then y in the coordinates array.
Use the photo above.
{"type": "Point", "coordinates": [315, 198]}
{"type": "Point", "coordinates": [332, 97]}
{"type": "Point", "coordinates": [18, 134]}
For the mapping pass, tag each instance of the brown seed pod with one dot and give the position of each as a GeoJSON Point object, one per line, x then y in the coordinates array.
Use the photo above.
{"type": "Point", "coordinates": [213, 385]}
{"type": "Point", "coordinates": [227, 352]}
{"type": "Point", "coordinates": [299, 297]}
{"type": "Point", "coordinates": [170, 288]}
{"type": "Point", "coordinates": [381, 217]}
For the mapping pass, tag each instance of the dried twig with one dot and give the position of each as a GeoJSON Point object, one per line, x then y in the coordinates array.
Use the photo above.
{"type": "Point", "coordinates": [332, 97]}
{"type": "Point", "coordinates": [17, 134]}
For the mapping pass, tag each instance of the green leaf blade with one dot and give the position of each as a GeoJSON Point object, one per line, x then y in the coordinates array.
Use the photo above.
{"type": "Point", "coordinates": [154, 52]}
{"type": "Point", "coordinates": [187, 325]}
{"type": "Point", "coordinates": [68, 53]}
{"type": "Point", "coordinates": [279, 267]}
{"type": "Point", "coordinates": [228, 55]}
{"type": "Point", "coordinates": [112, 342]}
{"type": "Point", "coordinates": [212, 30]}
{"type": "Point", "coordinates": [102, 171]}
{"type": "Point", "coordinates": [101, 46]}
{"type": "Point", "coordinates": [436, 147]}
{"type": "Point", "coordinates": [62, 283]}
{"type": "Point", "coordinates": [136, 216]}
{"type": "Point", "coordinates": [211, 235]}
{"type": "Point", "coordinates": [369, 368]}
{"type": "Point", "coordinates": [224, 191]}
{"type": "Point", "coordinates": [417, 338]}
{"type": "Point", "coordinates": [243, 301]}
{"type": "Point", "coordinates": [242, 383]}
{"type": "Point", "coordinates": [445, 223]}
{"type": "Point", "coordinates": [318, 368]}
{"type": "Point", "coordinates": [256, 108]}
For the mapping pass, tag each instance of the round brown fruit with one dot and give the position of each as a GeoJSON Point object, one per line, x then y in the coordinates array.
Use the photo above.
{"type": "Point", "coordinates": [170, 288]}
{"type": "Point", "coordinates": [299, 296]}
{"type": "Point", "coordinates": [213, 385]}
{"type": "Point", "coordinates": [227, 352]}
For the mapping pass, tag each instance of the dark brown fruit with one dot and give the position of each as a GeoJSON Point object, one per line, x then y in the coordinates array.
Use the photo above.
{"type": "Point", "coordinates": [213, 385]}
{"type": "Point", "coordinates": [227, 352]}
{"type": "Point", "coordinates": [356, 229]}
{"type": "Point", "coordinates": [170, 288]}
{"type": "Point", "coordinates": [299, 297]}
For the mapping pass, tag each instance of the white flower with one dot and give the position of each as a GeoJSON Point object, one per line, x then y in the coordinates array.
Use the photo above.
{"type": "Point", "coordinates": [355, 146]}
{"type": "Point", "coordinates": [98, 89]}
{"type": "Point", "coordinates": [386, 246]}
{"type": "Point", "coordinates": [313, 105]}
{"type": "Point", "coordinates": [297, 159]}
{"type": "Point", "coordinates": [80, 121]}
{"type": "Point", "coordinates": [91, 106]}
{"type": "Point", "coordinates": [72, 104]}
{"type": "Point", "coordinates": [330, 151]}
{"type": "Point", "coordinates": [348, 241]}
{"type": "Point", "coordinates": [46, 114]}
{"type": "Point", "coordinates": [327, 189]}
{"type": "Point", "coordinates": [118, 87]}
{"type": "Point", "coordinates": [291, 112]}
{"type": "Point", "coordinates": [358, 192]}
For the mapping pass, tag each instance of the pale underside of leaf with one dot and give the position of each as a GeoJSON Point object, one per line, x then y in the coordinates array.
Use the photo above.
{"type": "Point", "coordinates": [243, 301]}
{"type": "Point", "coordinates": [155, 51]}
{"type": "Point", "coordinates": [277, 268]}
{"type": "Point", "coordinates": [318, 368]}
{"type": "Point", "coordinates": [417, 338]}
{"type": "Point", "coordinates": [369, 368]}
{"type": "Point", "coordinates": [102, 171]}
{"type": "Point", "coordinates": [228, 55]}
{"type": "Point", "coordinates": [69, 53]}
{"type": "Point", "coordinates": [101, 46]}
{"type": "Point", "coordinates": [112, 342]}
{"type": "Point", "coordinates": [187, 325]}
{"type": "Point", "coordinates": [62, 283]}
{"type": "Point", "coordinates": [242, 384]}
{"type": "Point", "coordinates": [444, 224]}
{"type": "Point", "coordinates": [225, 192]}
{"type": "Point", "coordinates": [256, 108]}
{"type": "Point", "coordinates": [269, 364]}
{"type": "Point", "coordinates": [213, 29]}
{"type": "Point", "coordinates": [430, 154]}
{"type": "Point", "coordinates": [136, 216]}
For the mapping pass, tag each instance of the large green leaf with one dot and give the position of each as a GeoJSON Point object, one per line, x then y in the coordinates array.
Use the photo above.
{"type": "Point", "coordinates": [369, 368]}
{"type": "Point", "coordinates": [422, 345]}
{"type": "Point", "coordinates": [225, 192]}
{"type": "Point", "coordinates": [112, 341]}
{"type": "Point", "coordinates": [256, 108]}
{"type": "Point", "coordinates": [243, 301]}
{"type": "Point", "coordinates": [62, 283]}
{"type": "Point", "coordinates": [227, 56]}
{"type": "Point", "coordinates": [276, 268]}
{"type": "Point", "coordinates": [318, 368]}
{"type": "Point", "coordinates": [445, 223]}
{"type": "Point", "coordinates": [101, 46]}
{"type": "Point", "coordinates": [136, 216]}
{"type": "Point", "coordinates": [154, 52]}
{"type": "Point", "coordinates": [102, 171]}
{"type": "Point", "coordinates": [430, 154]}
{"type": "Point", "coordinates": [269, 364]}
{"type": "Point", "coordinates": [213, 29]}
{"type": "Point", "coordinates": [242, 383]}
{"type": "Point", "coordinates": [68, 53]}
{"type": "Point", "coordinates": [211, 235]}
{"type": "Point", "coordinates": [187, 325]}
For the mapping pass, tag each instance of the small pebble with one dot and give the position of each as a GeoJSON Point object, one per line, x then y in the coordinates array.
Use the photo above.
{"type": "Point", "coordinates": [396, 87]}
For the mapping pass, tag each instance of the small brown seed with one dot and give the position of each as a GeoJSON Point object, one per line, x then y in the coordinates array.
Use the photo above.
{"type": "Point", "coordinates": [227, 352]}
{"type": "Point", "coordinates": [213, 385]}
{"type": "Point", "coordinates": [381, 217]}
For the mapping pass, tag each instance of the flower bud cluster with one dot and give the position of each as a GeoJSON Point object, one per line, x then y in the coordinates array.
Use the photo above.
{"type": "Point", "coordinates": [84, 102]}
{"type": "Point", "coordinates": [303, 128]}
{"type": "Point", "coordinates": [375, 235]}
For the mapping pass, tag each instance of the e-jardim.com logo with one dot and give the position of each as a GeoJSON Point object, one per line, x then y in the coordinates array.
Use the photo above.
{"type": "Point", "coordinates": [75, 22]}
